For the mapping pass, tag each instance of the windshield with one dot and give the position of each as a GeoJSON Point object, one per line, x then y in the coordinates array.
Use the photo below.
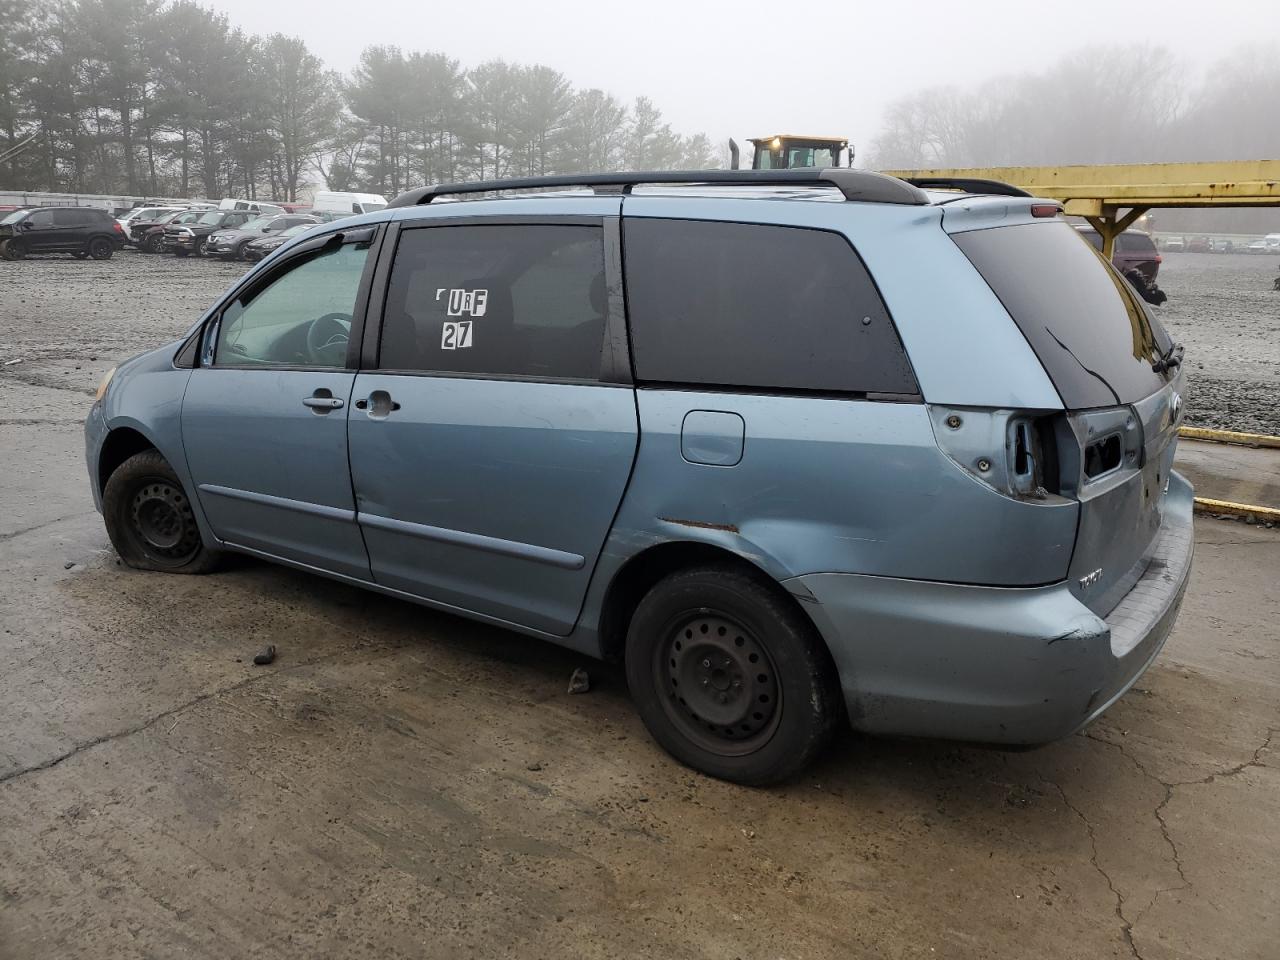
{"type": "Point", "coordinates": [1096, 340]}
{"type": "Point", "coordinates": [14, 217]}
{"type": "Point", "coordinates": [213, 216]}
{"type": "Point", "coordinates": [257, 224]}
{"type": "Point", "coordinates": [294, 231]}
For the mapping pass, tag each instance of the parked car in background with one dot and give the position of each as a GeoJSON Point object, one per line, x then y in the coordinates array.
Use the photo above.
{"type": "Point", "coordinates": [1136, 257]}
{"type": "Point", "coordinates": [1173, 244]}
{"type": "Point", "coordinates": [740, 460]}
{"type": "Point", "coordinates": [1221, 245]}
{"type": "Point", "coordinates": [327, 216]}
{"type": "Point", "coordinates": [189, 238]}
{"type": "Point", "coordinates": [149, 237]}
{"type": "Point", "coordinates": [348, 203]}
{"type": "Point", "coordinates": [230, 244]}
{"type": "Point", "coordinates": [1198, 245]}
{"type": "Point", "coordinates": [139, 215]}
{"type": "Point", "coordinates": [80, 231]}
{"type": "Point", "coordinates": [257, 249]}
{"type": "Point", "coordinates": [1273, 242]}
{"type": "Point", "coordinates": [1258, 246]}
{"type": "Point", "coordinates": [253, 206]}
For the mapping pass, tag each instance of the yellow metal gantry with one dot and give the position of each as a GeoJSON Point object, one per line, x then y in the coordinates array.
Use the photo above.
{"type": "Point", "coordinates": [1112, 196]}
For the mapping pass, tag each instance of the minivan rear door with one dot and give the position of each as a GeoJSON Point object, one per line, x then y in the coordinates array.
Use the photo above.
{"type": "Point", "coordinates": [1105, 353]}
{"type": "Point", "coordinates": [493, 438]}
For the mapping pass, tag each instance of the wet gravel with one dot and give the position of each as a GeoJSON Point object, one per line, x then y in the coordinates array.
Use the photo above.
{"type": "Point", "coordinates": [69, 320]}
{"type": "Point", "coordinates": [1225, 309]}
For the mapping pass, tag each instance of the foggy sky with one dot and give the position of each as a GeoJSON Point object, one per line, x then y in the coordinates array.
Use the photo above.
{"type": "Point", "coordinates": [750, 68]}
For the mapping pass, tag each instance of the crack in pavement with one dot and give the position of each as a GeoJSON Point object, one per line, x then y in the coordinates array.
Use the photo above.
{"type": "Point", "coordinates": [47, 523]}
{"type": "Point", "coordinates": [164, 714]}
{"type": "Point", "coordinates": [1168, 786]}
{"type": "Point", "coordinates": [1126, 926]}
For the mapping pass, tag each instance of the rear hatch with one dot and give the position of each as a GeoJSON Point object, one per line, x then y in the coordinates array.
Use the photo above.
{"type": "Point", "coordinates": [1108, 358]}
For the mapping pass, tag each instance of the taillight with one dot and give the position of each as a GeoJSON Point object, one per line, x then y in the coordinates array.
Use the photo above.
{"type": "Point", "coordinates": [1012, 451]}
{"type": "Point", "coordinates": [1159, 259]}
{"type": "Point", "coordinates": [116, 224]}
{"type": "Point", "coordinates": [1045, 209]}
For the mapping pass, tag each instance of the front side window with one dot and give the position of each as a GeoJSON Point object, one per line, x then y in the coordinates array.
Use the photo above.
{"type": "Point", "coordinates": [526, 300]}
{"type": "Point", "coordinates": [757, 307]}
{"type": "Point", "coordinates": [41, 219]}
{"type": "Point", "coordinates": [300, 318]}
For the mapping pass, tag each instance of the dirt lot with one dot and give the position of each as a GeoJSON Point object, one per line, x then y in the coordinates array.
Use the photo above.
{"type": "Point", "coordinates": [1224, 308]}
{"type": "Point", "coordinates": [404, 784]}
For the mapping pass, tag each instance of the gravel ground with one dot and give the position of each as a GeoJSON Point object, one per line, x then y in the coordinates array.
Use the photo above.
{"type": "Point", "coordinates": [1224, 308]}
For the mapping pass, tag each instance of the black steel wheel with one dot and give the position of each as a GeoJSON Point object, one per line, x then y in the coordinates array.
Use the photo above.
{"type": "Point", "coordinates": [150, 519]}
{"type": "Point", "coordinates": [729, 676]}
{"type": "Point", "coordinates": [721, 683]}
{"type": "Point", "coordinates": [100, 248]}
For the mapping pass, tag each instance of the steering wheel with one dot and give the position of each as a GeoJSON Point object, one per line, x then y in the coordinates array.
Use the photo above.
{"type": "Point", "coordinates": [327, 338]}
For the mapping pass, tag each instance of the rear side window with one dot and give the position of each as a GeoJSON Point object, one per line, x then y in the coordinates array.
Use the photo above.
{"type": "Point", "coordinates": [759, 307]}
{"type": "Point", "coordinates": [1095, 340]}
{"type": "Point", "coordinates": [500, 300]}
{"type": "Point", "coordinates": [1136, 243]}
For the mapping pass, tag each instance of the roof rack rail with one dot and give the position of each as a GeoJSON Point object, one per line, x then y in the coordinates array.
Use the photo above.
{"type": "Point", "coordinates": [860, 185]}
{"type": "Point", "coordinates": [969, 185]}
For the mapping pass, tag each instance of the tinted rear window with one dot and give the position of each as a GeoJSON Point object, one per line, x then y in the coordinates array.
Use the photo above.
{"type": "Point", "coordinates": [1096, 340]}
{"type": "Point", "coordinates": [756, 306]}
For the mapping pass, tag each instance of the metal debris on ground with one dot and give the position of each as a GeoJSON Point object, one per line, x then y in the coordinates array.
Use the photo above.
{"type": "Point", "coordinates": [580, 682]}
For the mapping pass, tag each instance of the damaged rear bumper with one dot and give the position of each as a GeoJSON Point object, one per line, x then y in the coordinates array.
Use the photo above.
{"type": "Point", "coordinates": [995, 664]}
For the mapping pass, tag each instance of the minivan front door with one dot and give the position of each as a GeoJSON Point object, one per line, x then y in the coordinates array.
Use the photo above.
{"type": "Point", "coordinates": [489, 450]}
{"type": "Point", "coordinates": [264, 418]}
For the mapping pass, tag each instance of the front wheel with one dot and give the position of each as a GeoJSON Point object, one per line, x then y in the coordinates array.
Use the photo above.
{"type": "Point", "coordinates": [729, 677]}
{"type": "Point", "coordinates": [100, 248]}
{"type": "Point", "coordinates": [150, 519]}
{"type": "Point", "coordinates": [150, 245]}
{"type": "Point", "coordinates": [198, 249]}
{"type": "Point", "coordinates": [12, 250]}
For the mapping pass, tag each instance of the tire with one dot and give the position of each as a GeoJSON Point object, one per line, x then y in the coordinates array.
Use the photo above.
{"type": "Point", "coordinates": [198, 248]}
{"type": "Point", "coordinates": [238, 254]}
{"type": "Point", "coordinates": [729, 677]}
{"type": "Point", "coordinates": [100, 248]}
{"type": "Point", "coordinates": [149, 518]}
{"type": "Point", "coordinates": [150, 245]}
{"type": "Point", "coordinates": [13, 250]}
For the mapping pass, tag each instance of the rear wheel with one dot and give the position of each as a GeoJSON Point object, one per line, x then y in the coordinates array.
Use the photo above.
{"type": "Point", "coordinates": [150, 519]}
{"type": "Point", "coordinates": [100, 248]}
{"type": "Point", "coordinates": [729, 677]}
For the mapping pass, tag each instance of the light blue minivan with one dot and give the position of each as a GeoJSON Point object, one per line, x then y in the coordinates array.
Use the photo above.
{"type": "Point", "coordinates": [799, 447]}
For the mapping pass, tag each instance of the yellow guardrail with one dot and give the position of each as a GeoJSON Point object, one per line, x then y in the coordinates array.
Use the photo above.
{"type": "Point", "coordinates": [1229, 436]}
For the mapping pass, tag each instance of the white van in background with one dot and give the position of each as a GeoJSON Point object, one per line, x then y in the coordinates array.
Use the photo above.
{"type": "Point", "coordinates": [1273, 242]}
{"type": "Point", "coordinates": [331, 201]}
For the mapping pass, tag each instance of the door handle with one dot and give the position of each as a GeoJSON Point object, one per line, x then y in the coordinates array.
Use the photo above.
{"type": "Point", "coordinates": [321, 403]}
{"type": "Point", "coordinates": [379, 404]}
